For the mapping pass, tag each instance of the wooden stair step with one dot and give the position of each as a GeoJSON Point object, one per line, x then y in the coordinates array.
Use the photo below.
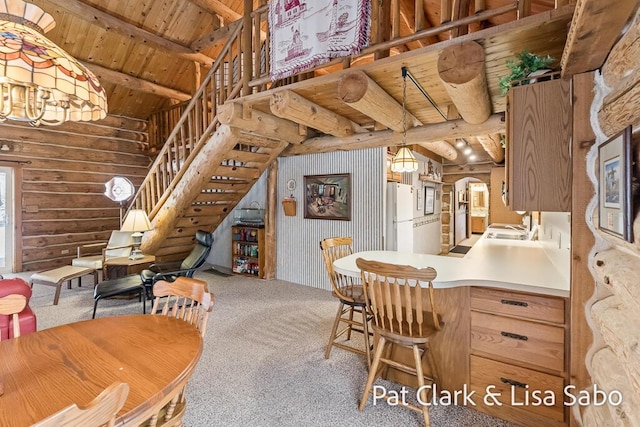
{"type": "Point", "coordinates": [231, 187]}
{"type": "Point", "coordinates": [248, 156]}
{"type": "Point", "coordinates": [197, 221]}
{"type": "Point", "coordinates": [207, 210]}
{"type": "Point", "coordinates": [257, 141]}
{"type": "Point", "coordinates": [219, 197]}
{"type": "Point", "coordinates": [238, 172]}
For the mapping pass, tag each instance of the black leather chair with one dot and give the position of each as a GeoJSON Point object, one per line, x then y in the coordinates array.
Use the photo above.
{"type": "Point", "coordinates": [142, 284]}
{"type": "Point", "coordinates": [169, 271]}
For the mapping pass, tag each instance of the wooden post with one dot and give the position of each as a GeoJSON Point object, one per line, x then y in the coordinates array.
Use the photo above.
{"type": "Point", "coordinates": [247, 58]}
{"type": "Point", "coordinates": [461, 68]}
{"type": "Point", "coordinates": [269, 272]}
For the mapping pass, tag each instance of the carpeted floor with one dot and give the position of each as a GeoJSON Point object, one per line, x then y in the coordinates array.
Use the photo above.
{"type": "Point", "coordinates": [263, 362]}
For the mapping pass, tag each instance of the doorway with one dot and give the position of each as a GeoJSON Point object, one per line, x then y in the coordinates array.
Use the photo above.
{"type": "Point", "coordinates": [6, 219]}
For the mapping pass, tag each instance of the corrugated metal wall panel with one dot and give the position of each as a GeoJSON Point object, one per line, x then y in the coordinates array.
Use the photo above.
{"type": "Point", "coordinates": [299, 259]}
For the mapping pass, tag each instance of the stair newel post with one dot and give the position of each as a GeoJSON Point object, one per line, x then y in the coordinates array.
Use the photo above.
{"type": "Point", "coordinates": [247, 57]}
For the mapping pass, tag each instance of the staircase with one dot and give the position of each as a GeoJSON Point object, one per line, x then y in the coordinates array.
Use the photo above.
{"type": "Point", "coordinates": [204, 168]}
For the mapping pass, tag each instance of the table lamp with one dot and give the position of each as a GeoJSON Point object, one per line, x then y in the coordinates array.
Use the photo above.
{"type": "Point", "coordinates": [136, 222]}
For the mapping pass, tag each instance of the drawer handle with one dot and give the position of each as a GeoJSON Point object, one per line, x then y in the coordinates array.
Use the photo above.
{"type": "Point", "coordinates": [512, 302]}
{"type": "Point", "coordinates": [513, 383]}
{"type": "Point", "coordinates": [514, 336]}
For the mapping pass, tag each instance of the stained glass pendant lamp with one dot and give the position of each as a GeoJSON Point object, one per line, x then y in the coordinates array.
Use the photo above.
{"type": "Point", "coordinates": [404, 160]}
{"type": "Point", "coordinates": [39, 82]}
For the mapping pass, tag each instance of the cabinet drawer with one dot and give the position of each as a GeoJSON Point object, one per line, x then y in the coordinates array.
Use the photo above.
{"type": "Point", "coordinates": [515, 385]}
{"type": "Point", "coordinates": [537, 307]}
{"type": "Point", "coordinates": [520, 340]}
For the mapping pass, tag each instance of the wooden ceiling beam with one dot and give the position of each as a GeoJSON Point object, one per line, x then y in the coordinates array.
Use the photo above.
{"type": "Point", "coordinates": [135, 83]}
{"type": "Point", "coordinates": [216, 37]}
{"type": "Point", "coordinates": [430, 136]}
{"type": "Point", "coordinates": [131, 32]}
{"type": "Point", "coordinates": [491, 144]}
{"type": "Point", "coordinates": [363, 94]}
{"type": "Point", "coordinates": [289, 105]}
{"type": "Point", "coordinates": [259, 123]}
{"type": "Point", "coordinates": [461, 68]}
{"type": "Point", "coordinates": [218, 7]}
{"type": "Point", "coordinates": [594, 29]}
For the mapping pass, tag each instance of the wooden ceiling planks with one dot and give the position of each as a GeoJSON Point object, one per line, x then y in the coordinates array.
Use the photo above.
{"type": "Point", "coordinates": [182, 22]}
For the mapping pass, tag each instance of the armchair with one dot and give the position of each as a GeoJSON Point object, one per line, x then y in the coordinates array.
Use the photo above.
{"type": "Point", "coordinates": [120, 244]}
{"type": "Point", "coordinates": [26, 317]}
{"type": "Point", "coordinates": [171, 270]}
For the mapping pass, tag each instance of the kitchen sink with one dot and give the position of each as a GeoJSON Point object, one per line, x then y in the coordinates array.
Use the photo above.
{"type": "Point", "coordinates": [508, 236]}
{"type": "Point", "coordinates": [508, 227]}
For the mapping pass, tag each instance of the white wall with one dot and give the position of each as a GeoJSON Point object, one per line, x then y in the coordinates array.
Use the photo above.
{"type": "Point", "coordinates": [554, 233]}
{"type": "Point", "coordinates": [427, 231]}
{"type": "Point", "coordinates": [221, 249]}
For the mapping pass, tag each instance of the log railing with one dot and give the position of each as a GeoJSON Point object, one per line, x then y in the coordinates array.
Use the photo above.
{"type": "Point", "coordinates": [243, 67]}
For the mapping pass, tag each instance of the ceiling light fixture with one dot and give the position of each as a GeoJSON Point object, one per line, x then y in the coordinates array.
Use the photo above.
{"type": "Point", "coordinates": [404, 160]}
{"type": "Point", "coordinates": [39, 82]}
{"type": "Point", "coordinates": [460, 143]}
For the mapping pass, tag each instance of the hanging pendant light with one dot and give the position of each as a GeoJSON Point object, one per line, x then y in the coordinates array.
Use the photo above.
{"type": "Point", "coordinates": [39, 82]}
{"type": "Point", "coordinates": [404, 160]}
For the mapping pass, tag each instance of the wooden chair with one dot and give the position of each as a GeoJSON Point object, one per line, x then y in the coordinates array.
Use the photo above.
{"type": "Point", "coordinates": [101, 411]}
{"type": "Point", "coordinates": [12, 305]}
{"type": "Point", "coordinates": [351, 296]}
{"type": "Point", "coordinates": [401, 302]}
{"type": "Point", "coordinates": [188, 299]}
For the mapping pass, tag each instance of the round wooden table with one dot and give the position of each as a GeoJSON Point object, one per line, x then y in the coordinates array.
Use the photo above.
{"type": "Point", "coordinates": [48, 370]}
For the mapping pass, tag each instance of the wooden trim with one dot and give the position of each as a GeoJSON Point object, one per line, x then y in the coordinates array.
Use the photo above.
{"type": "Point", "coordinates": [582, 240]}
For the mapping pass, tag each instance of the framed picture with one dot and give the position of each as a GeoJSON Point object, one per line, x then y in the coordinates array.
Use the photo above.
{"type": "Point", "coordinates": [328, 197]}
{"type": "Point", "coordinates": [615, 207]}
{"type": "Point", "coordinates": [429, 200]}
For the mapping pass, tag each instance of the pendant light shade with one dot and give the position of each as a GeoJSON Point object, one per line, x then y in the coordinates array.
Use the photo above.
{"type": "Point", "coordinates": [404, 161]}
{"type": "Point", "coordinates": [39, 82]}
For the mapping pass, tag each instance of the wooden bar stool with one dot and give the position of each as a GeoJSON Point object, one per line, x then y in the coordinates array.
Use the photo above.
{"type": "Point", "coordinates": [401, 301]}
{"type": "Point", "coordinates": [351, 296]}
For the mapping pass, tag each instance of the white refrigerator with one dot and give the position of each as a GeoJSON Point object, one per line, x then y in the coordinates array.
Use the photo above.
{"type": "Point", "coordinates": [399, 217]}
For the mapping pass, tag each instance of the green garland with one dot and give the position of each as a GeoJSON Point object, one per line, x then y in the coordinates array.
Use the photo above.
{"type": "Point", "coordinates": [526, 64]}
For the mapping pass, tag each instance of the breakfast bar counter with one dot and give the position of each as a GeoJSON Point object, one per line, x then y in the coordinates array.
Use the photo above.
{"type": "Point", "coordinates": [504, 306]}
{"type": "Point", "coordinates": [519, 265]}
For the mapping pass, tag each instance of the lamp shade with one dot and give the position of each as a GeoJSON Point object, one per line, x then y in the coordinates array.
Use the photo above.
{"type": "Point", "coordinates": [404, 161]}
{"type": "Point", "coordinates": [136, 221]}
{"type": "Point", "coordinates": [39, 81]}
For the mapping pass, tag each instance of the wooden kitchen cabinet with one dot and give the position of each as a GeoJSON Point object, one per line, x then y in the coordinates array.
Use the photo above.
{"type": "Point", "coordinates": [538, 159]}
{"type": "Point", "coordinates": [518, 346]}
{"type": "Point", "coordinates": [478, 224]}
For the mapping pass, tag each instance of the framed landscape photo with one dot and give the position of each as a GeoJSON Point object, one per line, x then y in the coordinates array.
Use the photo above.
{"type": "Point", "coordinates": [429, 200]}
{"type": "Point", "coordinates": [328, 196]}
{"type": "Point", "coordinates": [614, 183]}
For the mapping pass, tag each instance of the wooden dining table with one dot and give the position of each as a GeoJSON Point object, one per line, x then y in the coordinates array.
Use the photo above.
{"type": "Point", "coordinates": [48, 370]}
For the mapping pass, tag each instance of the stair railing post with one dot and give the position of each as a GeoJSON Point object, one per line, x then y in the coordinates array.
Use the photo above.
{"type": "Point", "coordinates": [247, 56]}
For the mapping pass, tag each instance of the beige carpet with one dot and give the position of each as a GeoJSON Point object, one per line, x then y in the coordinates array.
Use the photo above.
{"type": "Point", "coordinates": [263, 362]}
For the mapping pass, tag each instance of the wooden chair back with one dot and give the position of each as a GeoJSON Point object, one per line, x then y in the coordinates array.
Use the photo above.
{"type": "Point", "coordinates": [396, 295]}
{"type": "Point", "coordinates": [11, 305]}
{"type": "Point", "coordinates": [332, 249]}
{"type": "Point", "coordinates": [186, 298]}
{"type": "Point", "coordinates": [101, 411]}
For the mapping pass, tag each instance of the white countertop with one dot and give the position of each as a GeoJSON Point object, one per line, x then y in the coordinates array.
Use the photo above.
{"type": "Point", "coordinates": [520, 265]}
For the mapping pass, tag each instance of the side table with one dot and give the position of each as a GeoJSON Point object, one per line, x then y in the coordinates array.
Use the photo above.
{"type": "Point", "coordinates": [123, 266]}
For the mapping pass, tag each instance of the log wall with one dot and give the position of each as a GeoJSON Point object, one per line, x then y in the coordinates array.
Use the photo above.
{"type": "Point", "coordinates": [59, 194]}
{"type": "Point", "coordinates": [612, 312]}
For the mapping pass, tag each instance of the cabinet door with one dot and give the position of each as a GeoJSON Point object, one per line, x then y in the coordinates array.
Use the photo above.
{"type": "Point", "coordinates": [538, 147]}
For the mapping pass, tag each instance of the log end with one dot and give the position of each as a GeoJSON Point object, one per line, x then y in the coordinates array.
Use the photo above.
{"type": "Point", "coordinates": [353, 86]}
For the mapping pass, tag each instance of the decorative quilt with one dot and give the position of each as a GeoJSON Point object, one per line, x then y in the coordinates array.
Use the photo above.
{"type": "Point", "coordinates": [308, 33]}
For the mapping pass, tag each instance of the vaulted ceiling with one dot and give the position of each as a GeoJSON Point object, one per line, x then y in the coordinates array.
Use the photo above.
{"type": "Point", "coordinates": [148, 54]}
